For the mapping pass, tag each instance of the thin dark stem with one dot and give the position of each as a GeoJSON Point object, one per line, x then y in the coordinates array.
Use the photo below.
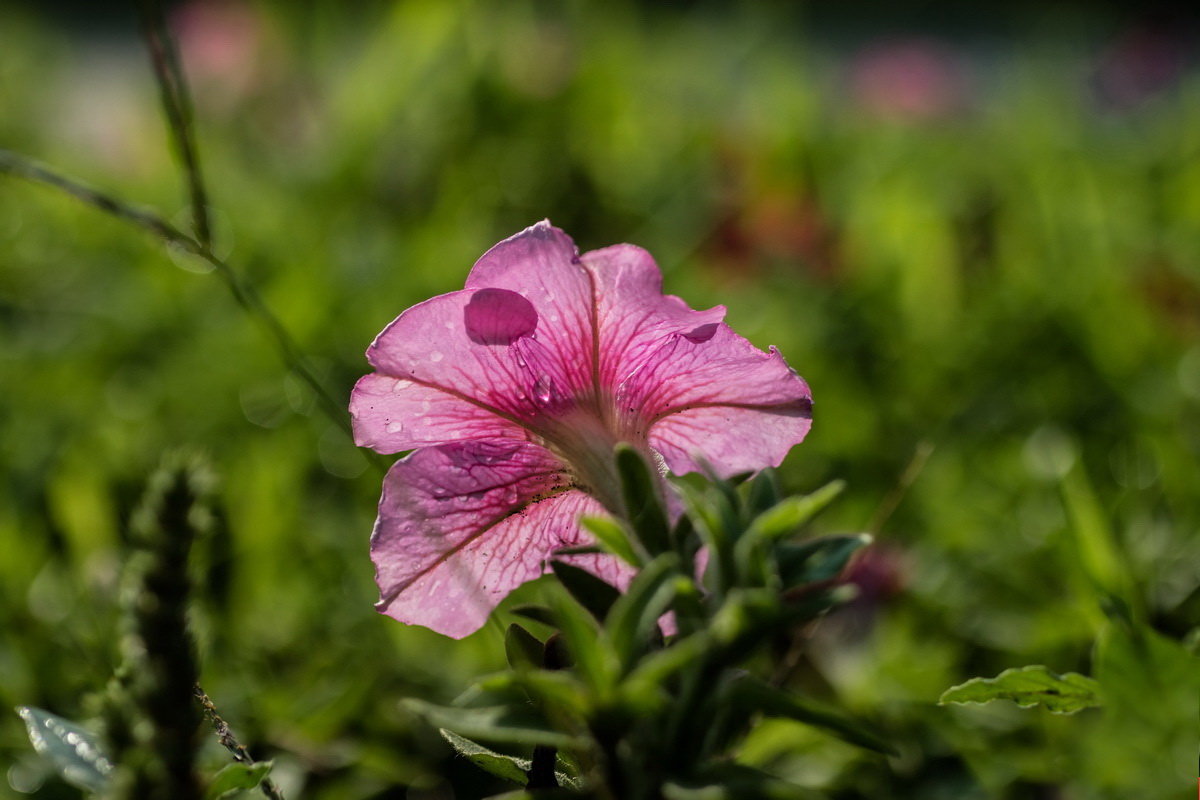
{"type": "Point", "coordinates": [229, 742]}
{"type": "Point", "coordinates": [907, 478]}
{"type": "Point", "coordinates": [177, 109]}
{"type": "Point", "coordinates": [243, 291]}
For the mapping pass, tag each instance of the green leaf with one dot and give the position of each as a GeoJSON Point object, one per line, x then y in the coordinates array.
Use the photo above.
{"type": "Point", "coordinates": [586, 643]}
{"type": "Point", "coordinates": [73, 750]}
{"type": "Point", "coordinates": [783, 519]}
{"type": "Point", "coordinates": [523, 649]}
{"type": "Point", "coordinates": [537, 613]}
{"type": "Point", "coordinates": [1097, 550]}
{"type": "Point", "coordinates": [502, 766]}
{"type": "Point", "coordinates": [643, 500]}
{"type": "Point", "coordinates": [1029, 686]}
{"type": "Point", "coordinates": [613, 537]}
{"type": "Point", "coordinates": [594, 594]}
{"type": "Point", "coordinates": [233, 778]}
{"type": "Point", "coordinates": [753, 695]}
{"type": "Point", "coordinates": [763, 492]}
{"type": "Point", "coordinates": [634, 617]}
{"type": "Point", "coordinates": [510, 768]}
{"type": "Point", "coordinates": [818, 559]}
{"type": "Point", "coordinates": [506, 723]}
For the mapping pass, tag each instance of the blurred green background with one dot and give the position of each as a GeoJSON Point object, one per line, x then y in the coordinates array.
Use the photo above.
{"type": "Point", "coordinates": [979, 241]}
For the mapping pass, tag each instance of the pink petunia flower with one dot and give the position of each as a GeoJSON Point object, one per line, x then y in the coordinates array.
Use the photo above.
{"type": "Point", "coordinates": [512, 394]}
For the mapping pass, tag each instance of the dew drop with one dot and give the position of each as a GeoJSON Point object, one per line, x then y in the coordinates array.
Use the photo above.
{"type": "Point", "coordinates": [543, 389]}
{"type": "Point", "coordinates": [400, 385]}
{"type": "Point", "coordinates": [394, 427]}
{"type": "Point", "coordinates": [435, 356]}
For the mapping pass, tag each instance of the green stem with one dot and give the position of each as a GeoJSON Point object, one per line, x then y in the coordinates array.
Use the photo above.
{"type": "Point", "coordinates": [243, 291]}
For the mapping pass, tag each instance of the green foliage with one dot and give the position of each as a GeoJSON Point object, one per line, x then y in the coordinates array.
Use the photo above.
{"type": "Point", "coordinates": [1030, 686]}
{"type": "Point", "coordinates": [235, 778]}
{"type": "Point", "coordinates": [1009, 280]}
{"type": "Point", "coordinates": [647, 716]}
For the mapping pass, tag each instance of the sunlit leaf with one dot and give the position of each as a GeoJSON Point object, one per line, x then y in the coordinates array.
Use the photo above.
{"type": "Point", "coordinates": [234, 778]}
{"type": "Point", "coordinates": [1027, 687]}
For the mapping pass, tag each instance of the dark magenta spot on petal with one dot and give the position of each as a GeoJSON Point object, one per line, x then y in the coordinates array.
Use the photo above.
{"type": "Point", "coordinates": [702, 333]}
{"type": "Point", "coordinates": [498, 316]}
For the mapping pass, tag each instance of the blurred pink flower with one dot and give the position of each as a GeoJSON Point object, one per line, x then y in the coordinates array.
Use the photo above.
{"type": "Point", "coordinates": [512, 393]}
{"type": "Point", "coordinates": [909, 79]}
{"type": "Point", "coordinates": [226, 48]}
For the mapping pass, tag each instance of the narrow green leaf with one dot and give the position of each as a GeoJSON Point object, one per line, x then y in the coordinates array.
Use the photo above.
{"type": "Point", "coordinates": [523, 649]}
{"type": "Point", "coordinates": [537, 613]}
{"type": "Point", "coordinates": [237, 777]}
{"type": "Point", "coordinates": [510, 768]}
{"type": "Point", "coordinates": [787, 516]}
{"type": "Point", "coordinates": [634, 617]}
{"type": "Point", "coordinates": [613, 537]}
{"type": "Point", "coordinates": [754, 695]}
{"type": "Point", "coordinates": [763, 492]}
{"type": "Point", "coordinates": [1098, 553]}
{"type": "Point", "coordinates": [1029, 686]}
{"type": "Point", "coordinates": [73, 750]}
{"type": "Point", "coordinates": [818, 559]}
{"type": "Point", "coordinates": [507, 723]}
{"type": "Point", "coordinates": [586, 643]}
{"type": "Point", "coordinates": [643, 500]}
{"type": "Point", "coordinates": [594, 594]}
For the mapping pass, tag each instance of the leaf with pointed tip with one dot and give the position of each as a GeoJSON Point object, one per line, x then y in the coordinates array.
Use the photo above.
{"type": "Point", "coordinates": [753, 695]}
{"type": "Point", "coordinates": [586, 644]}
{"type": "Point", "coordinates": [643, 501]}
{"type": "Point", "coordinates": [594, 594]}
{"type": "Point", "coordinates": [613, 538]}
{"type": "Point", "coordinates": [234, 778]}
{"type": "Point", "coordinates": [819, 559]}
{"type": "Point", "coordinates": [506, 723]}
{"type": "Point", "coordinates": [523, 649]}
{"type": "Point", "coordinates": [510, 768]}
{"type": "Point", "coordinates": [537, 614]}
{"type": "Point", "coordinates": [634, 616]}
{"type": "Point", "coordinates": [1027, 687]}
{"type": "Point", "coordinates": [73, 750]}
{"type": "Point", "coordinates": [782, 519]}
{"type": "Point", "coordinates": [763, 492]}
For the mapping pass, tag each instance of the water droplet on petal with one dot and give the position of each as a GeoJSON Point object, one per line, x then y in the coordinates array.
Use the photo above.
{"type": "Point", "coordinates": [543, 390]}
{"type": "Point", "coordinates": [435, 356]}
{"type": "Point", "coordinates": [395, 427]}
{"type": "Point", "coordinates": [400, 385]}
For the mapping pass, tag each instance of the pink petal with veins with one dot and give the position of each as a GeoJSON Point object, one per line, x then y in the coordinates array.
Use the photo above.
{"type": "Point", "coordinates": [514, 391]}
{"type": "Point", "coordinates": [462, 525]}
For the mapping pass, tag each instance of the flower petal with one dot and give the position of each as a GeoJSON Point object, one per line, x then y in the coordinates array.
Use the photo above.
{"type": "Point", "coordinates": [541, 264]}
{"type": "Point", "coordinates": [723, 398]}
{"type": "Point", "coordinates": [462, 525]}
{"type": "Point", "coordinates": [391, 415]}
{"type": "Point", "coordinates": [633, 317]}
